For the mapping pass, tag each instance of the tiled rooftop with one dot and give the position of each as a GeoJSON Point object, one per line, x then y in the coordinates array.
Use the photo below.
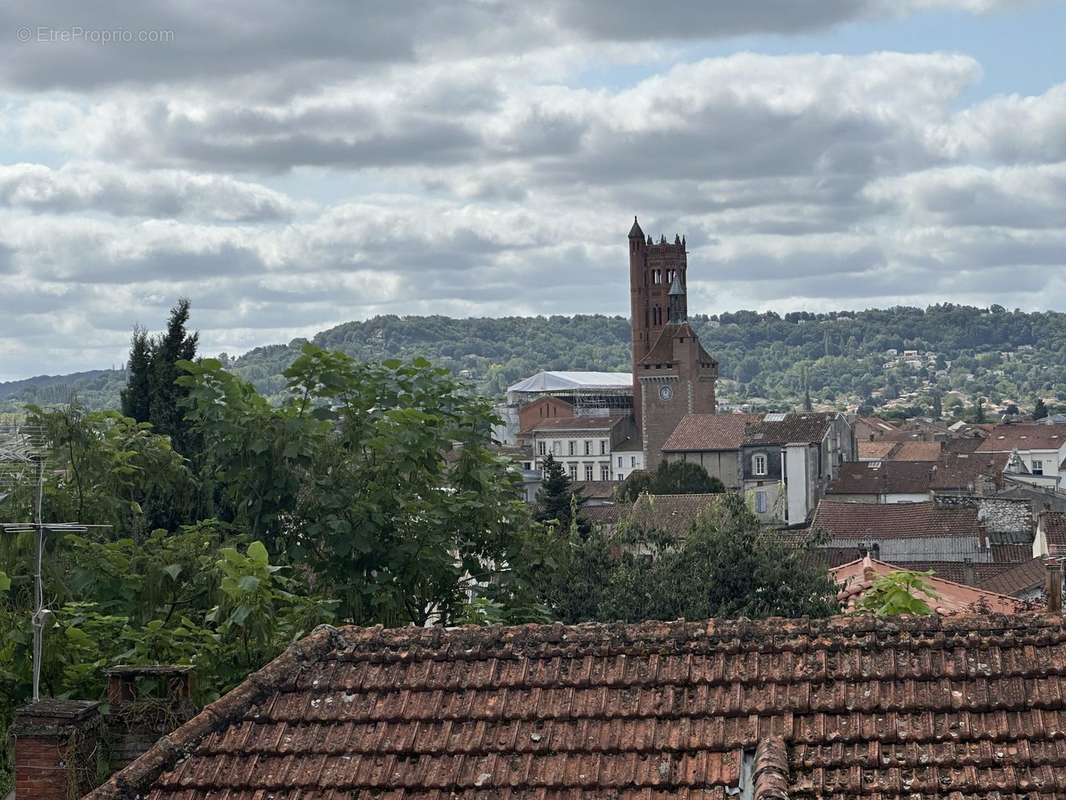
{"type": "Point", "coordinates": [1025, 577]}
{"type": "Point", "coordinates": [1023, 436]}
{"type": "Point", "coordinates": [881, 477]}
{"type": "Point", "coordinates": [844, 520]}
{"type": "Point", "coordinates": [857, 578]}
{"type": "Point", "coordinates": [709, 432]}
{"type": "Point", "coordinates": [847, 708]}
{"type": "Point", "coordinates": [808, 426]}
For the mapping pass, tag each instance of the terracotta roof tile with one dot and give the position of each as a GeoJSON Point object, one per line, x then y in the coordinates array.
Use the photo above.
{"type": "Point", "coordinates": [881, 477]}
{"type": "Point", "coordinates": [917, 451]}
{"type": "Point", "coordinates": [876, 451]}
{"type": "Point", "coordinates": [1053, 524]}
{"type": "Point", "coordinates": [1023, 436]}
{"type": "Point", "coordinates": [844, 520]}
{"type": "Point", "coordinates": [810, 426]}
{"type": "Point", "coordinates": [857, 577]}
{"type": "Point", "coordinates": [1022, 578]}
{"type": "Point", "coordinates": [847, 708]}
{"type": "Point", "coordinates": [582, 423]}
{"type": "Point", "coordinates": [962, 471]}
{"type": "Point", "coordinates": [710, 432]}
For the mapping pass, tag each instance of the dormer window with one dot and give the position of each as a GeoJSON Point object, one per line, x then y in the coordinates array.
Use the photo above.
{"type": "Point", "coordinates": [758, 464]}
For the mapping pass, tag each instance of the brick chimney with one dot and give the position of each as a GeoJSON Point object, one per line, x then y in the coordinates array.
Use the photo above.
{"type": "Point", "coordinates": [144, 704]}
{"type": "Point", "coordinates": [56, 748]}
{"type": "Point", "coordinates": [1053, 584]}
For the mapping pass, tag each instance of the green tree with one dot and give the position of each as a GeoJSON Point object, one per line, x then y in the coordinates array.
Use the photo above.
{"type": "Point", "coordinates": [727, 565]}
{"type": "Point", "coordinates": [977, 415]}
{"type": "Point", "coordinates": [898, 592]}
{"type": "Point", "coordinates": [674, 477]}
{"type": "Point", "coordinates": [137, 396]}
{"type": "Point", "coordinates": [152, 393]}
{"type": "Point", "coordinates": [557, 497]}
{"type": "Point", "coordinates": [1039, 409]}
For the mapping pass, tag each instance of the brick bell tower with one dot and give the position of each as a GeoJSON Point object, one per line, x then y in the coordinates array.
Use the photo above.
{"type": "Point", "coordinates": [673, 375]}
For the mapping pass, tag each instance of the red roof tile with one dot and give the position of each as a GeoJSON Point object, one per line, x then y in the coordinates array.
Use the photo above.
{"type": "Point", "coordinates": [1053, 524]}
{"type": "Point", "coordinates": [710, 432]}
{"type": "Point", "coordinates": [582, 423]}
{"type": "Point", "coordinates": [917, 451]}
{"type": "Point", "coordinates": [809, 426]}
{"type": "Point", "coordinates": [846, 708]}
{"type": "Point", "coordinates": [857, 578]}
{"type": "Point", "coordinates": [881, 477]}
{"type": "Point", "coordinates": [844, 520]}
{"type": "Point", "coordinates": [1023, 436]}
{"type": "Point", "coordinates": [962, 471]}
{"type": "Point", "coordinates": [876, 451]}
{"type": "Point", "coordinates": [1023, 578]}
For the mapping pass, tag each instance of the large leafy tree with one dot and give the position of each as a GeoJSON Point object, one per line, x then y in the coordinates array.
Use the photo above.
{"type": "Point", "coordinates": [727, 565]}
{"type": "Point", "coordinates": [674, 477]}
{"type": "Point", "coordinates": [377, 476]}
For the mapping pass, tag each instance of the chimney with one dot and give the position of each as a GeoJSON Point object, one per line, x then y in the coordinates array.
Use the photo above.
{"type": "Point", "coordinates": [144, 704]}
{"type": "Point", "coordinates": [1053, 584]}
{"type": "Point", "coordinates": [969, 572]}
{"type": "Point", "coordinates": [56, 748]}
{"type": "Point", "coordinates": [869, 574]}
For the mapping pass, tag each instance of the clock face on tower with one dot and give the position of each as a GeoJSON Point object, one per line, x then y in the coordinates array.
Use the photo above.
{"type": "Point", "coordinates": [666, 392]}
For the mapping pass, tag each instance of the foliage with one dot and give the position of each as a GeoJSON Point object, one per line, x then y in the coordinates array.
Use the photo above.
{"type": "Point", "coordinates": [1039, 409]}
{"type": "Point", "coordinates": [558, 502]}
{"type": "Point", "coordinates": [727, 565]}
{"type": "Point", "coordinates": [675, 477]}
{"type": "Point", "coordinates": [378, 477]}
{"type": "Point", "coordinates": [898, 592]}
{"type": "Point", "coordinates": [151, 393]}
{"type": "Point", "coordinates": [109, 470]}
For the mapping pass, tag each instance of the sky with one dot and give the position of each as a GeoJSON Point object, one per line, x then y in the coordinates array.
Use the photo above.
{"type": "Point", "coordinates": [291, 166]}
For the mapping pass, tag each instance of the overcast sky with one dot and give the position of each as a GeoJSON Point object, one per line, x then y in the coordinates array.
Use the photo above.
{"type": "Point", "coordinates": [293, 165]}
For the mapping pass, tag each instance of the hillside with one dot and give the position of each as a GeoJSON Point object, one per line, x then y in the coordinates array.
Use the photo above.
{"type": "Point", "coordinates": [962, 352]}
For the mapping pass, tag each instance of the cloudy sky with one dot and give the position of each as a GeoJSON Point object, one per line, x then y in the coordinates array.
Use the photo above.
{"type": "Point", "coordinates": [290, 166]}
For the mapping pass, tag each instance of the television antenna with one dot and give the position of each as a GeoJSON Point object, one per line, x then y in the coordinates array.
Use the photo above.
{"type": "Point", "coordinates": [23, 464]}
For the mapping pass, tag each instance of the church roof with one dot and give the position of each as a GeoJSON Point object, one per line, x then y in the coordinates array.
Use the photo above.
{"type": "Point", "coordinates": [635, 232]}
{"type": "Point", "coordinates": [552, 381]}
{"type": "Point", "coordinates": [849, 707]}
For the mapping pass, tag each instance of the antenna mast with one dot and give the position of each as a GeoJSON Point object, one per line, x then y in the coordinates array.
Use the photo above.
{"type": "Point", "coordinates": [23, 457]}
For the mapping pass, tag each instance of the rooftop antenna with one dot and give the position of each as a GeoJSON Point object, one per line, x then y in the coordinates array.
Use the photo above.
{"type": "Point", "coordinates": [23, 460]}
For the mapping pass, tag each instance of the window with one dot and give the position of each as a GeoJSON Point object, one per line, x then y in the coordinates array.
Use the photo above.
{"type": "Point", "coordinates": [588, 472]}
{"type": "Point", "coordinates": [1038, 467]}
{"type": "Point", "coordinates": [557, 448]}
{"type": "Point", "coordinates": [760, 502]}
{"type": "Point", "coordinates": [657, 276]}
{"type": "Point", "coordinates": [527, 465]}
{"type": "Point", "coordinates": [619, 462]}
{"type": "Point", "coordinates": [588, 447]}
{"type": "Point", "coordinates": [573, 446]}
{"type": "Point", "coordinates": [633, 461]}
{"type": "Point", "coordinates": [603, 447]}
{"type": "Point", "coordinates": [573, 472]}
{"type": "Point", "coordinates": [605, 472]}
{"type": "Point", "coordinates": [758, 464]}
{"type": "Point", "coordinates": [542, 448]}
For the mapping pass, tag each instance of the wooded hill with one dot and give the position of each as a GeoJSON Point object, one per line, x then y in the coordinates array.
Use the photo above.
{"type": "Point", "coordinates": [991, 353]}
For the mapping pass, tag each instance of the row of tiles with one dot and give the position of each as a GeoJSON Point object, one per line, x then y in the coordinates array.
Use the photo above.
{"type": "Point", "coordinates": [692, 668]}
{"type": "Point", "coordinates": [875, 697]}
{"type": "Point", "coordinates": [638, 735]}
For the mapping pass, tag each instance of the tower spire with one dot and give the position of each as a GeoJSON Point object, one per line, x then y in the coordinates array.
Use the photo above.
{"type": "Point", "coordinates": [678, 302]}
{"type": "Point", "coordinates": [635, 232]}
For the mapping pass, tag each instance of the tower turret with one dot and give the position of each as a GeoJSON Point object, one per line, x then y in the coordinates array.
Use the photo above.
{"type": "Point", "coordinates": [677, 300]}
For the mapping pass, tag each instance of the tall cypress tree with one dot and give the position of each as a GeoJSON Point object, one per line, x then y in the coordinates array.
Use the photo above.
{"type": "Point", "coordinates": [151, 393]}
{"type": "Point", "coordinates": [136, 397]}
{"type": "Point", "coordinates": [1039, 409]}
